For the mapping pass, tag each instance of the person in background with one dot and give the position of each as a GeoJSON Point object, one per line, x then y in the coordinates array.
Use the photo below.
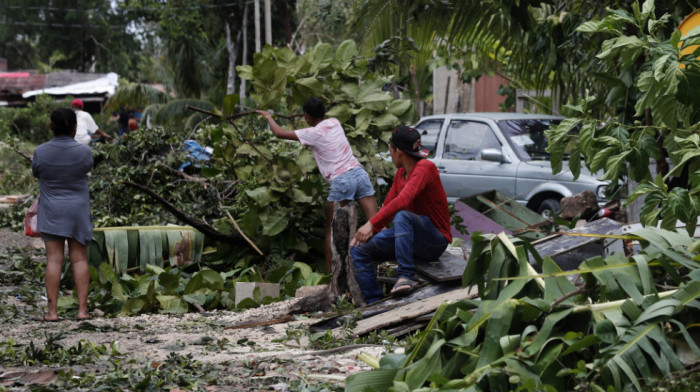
{"type": "Point", "coordinates": [123, 121]}
{"type": "Point", "coordinates": [87, 128]}
{"type": "Point", "coordinates": [417, 206]}
{"type": "Point", "coordinates": [62, 165]}
{"type": "Point", "coordinates": [138, 115]}
{"type": "Point", "coordinates": [348, 179]}
{"type": "Point", "coordinates": [133, 122]}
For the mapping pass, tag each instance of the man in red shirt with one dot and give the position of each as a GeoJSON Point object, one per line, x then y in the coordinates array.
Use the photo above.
{"type": "Point", "coordinates": [417, 206]}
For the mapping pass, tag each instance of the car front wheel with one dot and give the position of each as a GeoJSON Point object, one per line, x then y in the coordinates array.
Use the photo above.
{"type": "Point", "coordinates": [549, 207]}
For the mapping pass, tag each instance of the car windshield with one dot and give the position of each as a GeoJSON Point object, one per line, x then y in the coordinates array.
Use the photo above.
{"type": "Point", "coordinates": [527, 138]}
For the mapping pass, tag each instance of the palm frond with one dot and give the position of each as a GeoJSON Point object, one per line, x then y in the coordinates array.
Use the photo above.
{"type": "Point", "coordinates": [176, 110]}
{"type": "Point", "coordinates": [136, 95]}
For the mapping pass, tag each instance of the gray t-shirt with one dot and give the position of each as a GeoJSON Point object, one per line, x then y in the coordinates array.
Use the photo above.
{"type": "Point", "coordinates": [62, 165]}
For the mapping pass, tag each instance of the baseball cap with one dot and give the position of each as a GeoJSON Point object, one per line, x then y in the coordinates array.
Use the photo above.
{"type": "Point", "coordinates": [407, 140]}
{"type": "Point", "coordinates": [77, 102]}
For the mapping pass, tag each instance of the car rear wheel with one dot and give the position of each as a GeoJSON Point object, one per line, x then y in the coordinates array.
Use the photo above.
{"type": "Point", "coordinates": [549, 207]}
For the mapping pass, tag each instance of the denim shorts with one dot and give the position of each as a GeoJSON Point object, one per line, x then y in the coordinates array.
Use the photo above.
{"type": "Point", "coordinates": [354, 184]}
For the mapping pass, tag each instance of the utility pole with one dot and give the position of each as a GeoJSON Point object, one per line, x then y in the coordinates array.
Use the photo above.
{"type": "Point", "coordinates": [268, 22]}
{"type": "Point", "coordinates": [256, 18]}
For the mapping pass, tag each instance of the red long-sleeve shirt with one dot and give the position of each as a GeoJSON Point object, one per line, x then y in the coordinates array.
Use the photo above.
{"type": "Point", "coordinates": [421, 193]}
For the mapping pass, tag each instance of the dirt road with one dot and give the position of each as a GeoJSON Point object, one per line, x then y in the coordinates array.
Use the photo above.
{"type": "Point", "coordinates": [194, 351]}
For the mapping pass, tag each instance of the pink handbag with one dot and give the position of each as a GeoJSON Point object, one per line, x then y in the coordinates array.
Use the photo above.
{"type": "Point", "coordinates": [30, 219]}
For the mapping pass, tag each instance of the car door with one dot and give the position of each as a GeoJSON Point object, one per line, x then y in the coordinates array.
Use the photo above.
{"type": "Point", "coordinates": [463, 171]}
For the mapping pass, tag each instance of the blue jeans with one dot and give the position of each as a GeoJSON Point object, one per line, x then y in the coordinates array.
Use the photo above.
{"type": "Point", "coordinates": [412, 237]}
{"type": "Point", "coordinates": [354, 184]}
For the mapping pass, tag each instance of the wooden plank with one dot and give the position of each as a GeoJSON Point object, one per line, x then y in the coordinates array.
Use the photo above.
{"type": "Point", "coordinates": [408, 312]}
{"type": "Point", "coordinates": [384, 305]}
{"type": "Point", "coordinates": [569, 251]}
{"type": "Point", "coordinates": [448, 267]}
{"type": "Point", "coordinates": [406, 329]}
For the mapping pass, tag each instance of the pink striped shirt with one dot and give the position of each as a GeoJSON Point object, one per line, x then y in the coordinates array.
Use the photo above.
{"type": "Point", "coordinates": [330, 148]}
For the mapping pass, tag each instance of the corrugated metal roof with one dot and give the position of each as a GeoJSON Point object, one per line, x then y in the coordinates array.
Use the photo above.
{"type": "Point", "coordinates": [106, 84]}
{"type": "Point", "coordinates": [65, 78]}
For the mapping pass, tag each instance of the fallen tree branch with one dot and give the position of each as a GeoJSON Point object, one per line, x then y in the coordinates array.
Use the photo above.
{"type": "Point", "coordinates": [245, 237]}
{"type": "Point", "coordinates": [570, 294]}
{"type": "Point", "coordinates": [241, 114]}
{"type": "Point", "coordinates": [334, 350]}
{"type": "Point", "coordinates": [202, 226]}
{"type": "Point", "coordinates": [22, 153]}
{"type": "Point", "coordinates": [284, 319]}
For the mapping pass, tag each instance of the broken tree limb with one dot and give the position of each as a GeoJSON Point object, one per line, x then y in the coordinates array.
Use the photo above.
{"type": "Point", "coordinates": [194, 222]}
{"type": "Point", "coordinates": [241, 114]}
{"type": "Point", "coordinates": [21, 153]}
{"type": "Point", "coordinates": [245, 237]}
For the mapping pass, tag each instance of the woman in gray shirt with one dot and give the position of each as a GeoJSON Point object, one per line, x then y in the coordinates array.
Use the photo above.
{"type": "Point", "coordinates": [61, 165]}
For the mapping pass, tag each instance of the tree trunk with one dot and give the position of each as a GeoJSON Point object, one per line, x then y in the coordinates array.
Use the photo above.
{"type": "Point", "coordinates": [245, 47]}
{"type": "Point", "coordinates": [343, 230]}
{"type": "Point", "coordinates": [231, 82]}
{"type": "Point", "coordinates": [268, 22]}
{"type": "Point", "coordinates": [286, 23]}
{"type": "Point", "coordinates": [256, 20]}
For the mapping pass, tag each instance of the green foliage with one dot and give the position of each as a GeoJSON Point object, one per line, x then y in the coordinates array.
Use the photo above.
{"type": "Point", "coordinates": [54, 353]}
{"type": "Point", "coordinates": [617, 331]}
{"type": "Point", "coordinates": [147, 157]}
{"type": "Point", "coordinates": [30, 124]}
{"type": "Point", "coordinates": [94, 35]}
{"type": "Point", "coordinates": [135, 95]}
{"type": "Point", "coordinates": [178, 370]}
{"type": "Point", "coordinates": [169, 290]}
{"type": "Point", "coordinates": [645, 71]}
{"type": "Point", "coordinates": [13, 216]}
{"type": "Point", "coordinates": [282, 80]}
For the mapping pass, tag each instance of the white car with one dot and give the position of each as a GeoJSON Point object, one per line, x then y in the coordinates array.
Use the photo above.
{"type": "Point", "coordinates": [479, 152]}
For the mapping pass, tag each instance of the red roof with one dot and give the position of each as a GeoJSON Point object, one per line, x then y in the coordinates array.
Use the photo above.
{"type": "Point", "coordinates": [18, 82]}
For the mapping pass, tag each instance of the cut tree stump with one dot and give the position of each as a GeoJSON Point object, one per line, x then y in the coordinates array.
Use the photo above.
{"type": "Point", "coordinates": [343, 230]}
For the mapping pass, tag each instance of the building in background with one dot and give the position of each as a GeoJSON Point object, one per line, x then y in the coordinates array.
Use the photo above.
{"type": "Point", "coordinates": [20, 87]}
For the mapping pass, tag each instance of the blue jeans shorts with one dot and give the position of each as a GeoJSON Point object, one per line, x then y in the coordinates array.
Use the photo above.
{"type": "Point", "coordinates": [354, 184]}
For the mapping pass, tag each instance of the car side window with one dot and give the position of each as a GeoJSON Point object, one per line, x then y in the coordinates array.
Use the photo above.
{"type": "Point", "coordinates": [429, 132]}
{"type": "Point", "coordinates": [466, 139]}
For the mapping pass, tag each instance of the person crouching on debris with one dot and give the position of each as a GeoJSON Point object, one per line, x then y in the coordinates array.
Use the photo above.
{"type": "Point", "coordinates": [62, 165]}
{"type": "Point", "coordinates": [348, 179]}
{"type": "Point", "coordinates": [417, 206]}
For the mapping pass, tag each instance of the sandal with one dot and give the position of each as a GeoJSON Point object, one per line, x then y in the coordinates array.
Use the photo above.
{"type": "Point", "coordinates": [48, 320]}
{"type": "Point", "coordinates": [403, 287]}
